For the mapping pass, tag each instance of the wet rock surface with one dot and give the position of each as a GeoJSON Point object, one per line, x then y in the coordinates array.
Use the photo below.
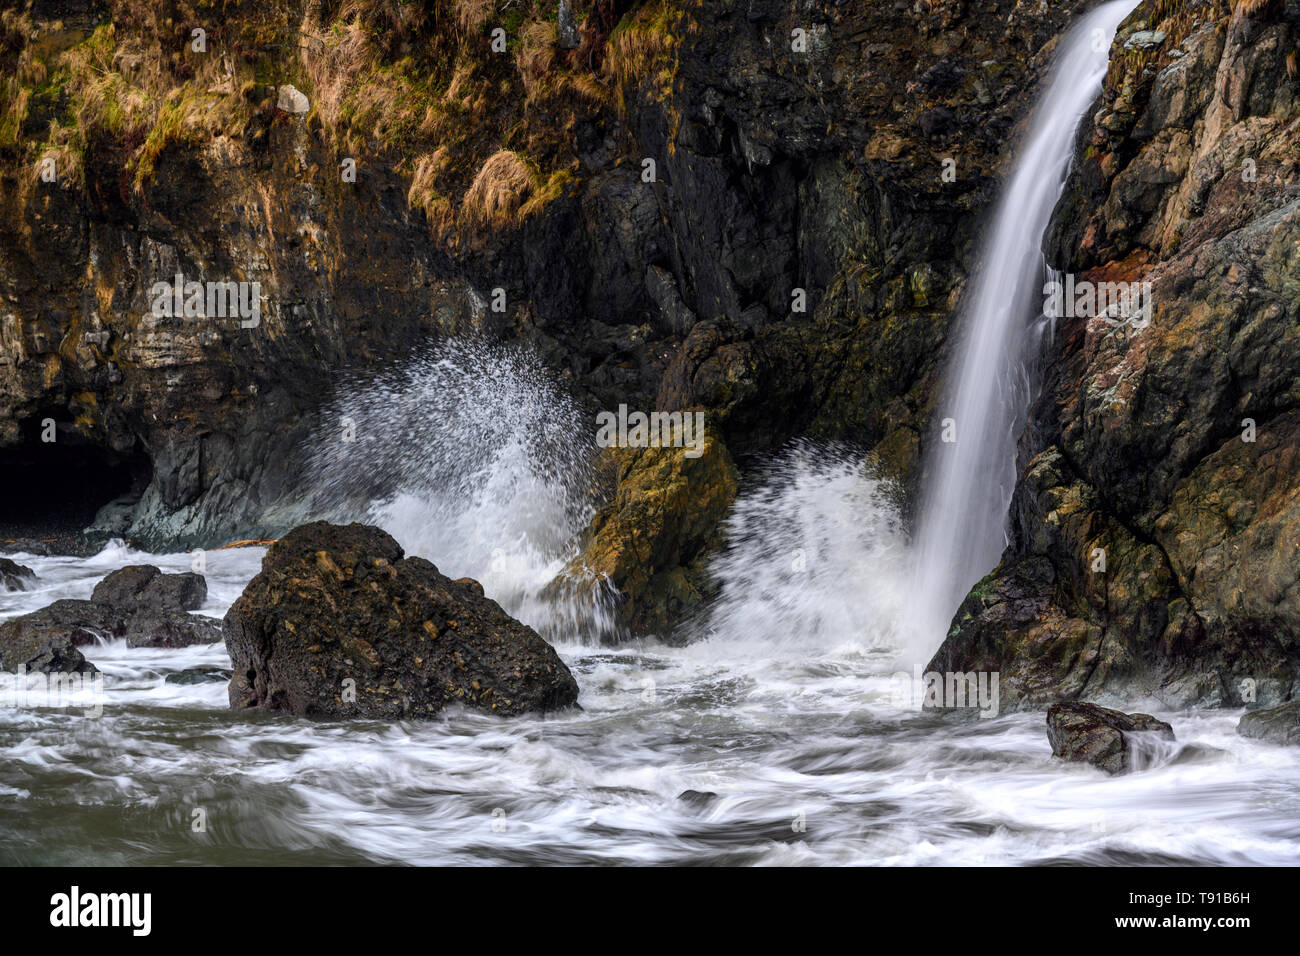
{"type": "Point", "coordinates": [46, 648]}
{"type": "Point", "coordinates": [137, 603]}
{"type": "Point", "coordinates": [200, 675]}
{"type": "Point", "coordinates": [1280, 725]}
{"type": "Point", "coordinates": [650, 540]}
{"type": "Point", "coordinates": [339, 623]}
{"type": "Point", "coordinates": [15, 576]}
{"type": "Point", "coordinates": [1085, 733]}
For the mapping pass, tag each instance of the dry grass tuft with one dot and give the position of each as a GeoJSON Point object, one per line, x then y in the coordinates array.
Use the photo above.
{"type": "Point", "coordinates": [1254, 8]}
{"type": "Point", "coordinates": [499, 191]}
{"type": "Point", "coordinates": [474, 14]}
{"type": "Point", "coordinates": [536, 54]}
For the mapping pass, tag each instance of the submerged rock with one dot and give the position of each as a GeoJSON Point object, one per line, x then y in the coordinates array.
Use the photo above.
{"type": "Point", "coordinates": [138, 603]}
{"type": "Point", "coordinates": [1280, 725]}
{"type": "Point", "coordinates": [339, 623]}
{"type": "Point", "coordinates": [699, 799]}
{"type": "Point", "coordinates": [199, 675]}
{"type": "Point", "coordinates": [14, 576]}
{"type": "Point", "coordinates": [1086, 733]}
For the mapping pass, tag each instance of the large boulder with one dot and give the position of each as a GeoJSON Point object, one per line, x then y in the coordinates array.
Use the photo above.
{"type": "Point", "coordinates": [139, 604]}
{"type": "Point", "coordinates": [339, 623]}
{"type": "Point", "coordinates": [1281, 725]}
{"type": "Point", "coordinates": [1086, 733]}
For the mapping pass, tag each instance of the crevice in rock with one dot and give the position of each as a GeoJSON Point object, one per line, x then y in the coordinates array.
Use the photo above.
{"type": "Point", "coordinates": [54, 483]}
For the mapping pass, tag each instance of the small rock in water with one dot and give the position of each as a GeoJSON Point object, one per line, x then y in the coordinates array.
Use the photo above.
{"type": "Point", "coordinates": [697, 798]}
{"type": "Point", "coordinates": [199, 675]}
{"type": "Point", "coordinates": [15, 576]}
{"type": "Point", "coordinates": [1280, 725]}
{"type": "Point", "coordinates": [1086, 733]}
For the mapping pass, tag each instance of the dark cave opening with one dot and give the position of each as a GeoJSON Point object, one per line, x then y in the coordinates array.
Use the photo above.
{"type": "Point", "coordinates": [54, 489]}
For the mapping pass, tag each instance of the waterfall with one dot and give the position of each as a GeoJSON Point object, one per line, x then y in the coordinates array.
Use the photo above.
{"type": "Point", "coordinates": [963, 518]}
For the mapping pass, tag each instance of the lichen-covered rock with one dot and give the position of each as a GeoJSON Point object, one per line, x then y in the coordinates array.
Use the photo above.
{"type": "Point", "coordinates": [1280, 725]}
{"type": "Point", "coordinates": [1085, 733]}
{"type": "Point", "coordinates": [663, 518]}
{"type": "Point", "coordinates": [339, 623]}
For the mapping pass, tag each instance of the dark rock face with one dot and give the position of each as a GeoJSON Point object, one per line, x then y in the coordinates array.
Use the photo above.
{"type": "Point", "coordinates": [779, 170]}
{"type": "Point", "coordinates": [1281, 725]}
{"type": "Point", "coordinates": [14, 576]}
{"type": "Point", "coordinates": [138, 603]}
{"type": "Point", "coordinates": [43, 646]}
{"type": "Point", "coordinates": [339, 623]}
{"type": "Point", "coordinates": [1086, 733]}
{"type": "Point", "coordinates": [144, 588]}
{"type": "Point", "coordinates": [1170, 449]}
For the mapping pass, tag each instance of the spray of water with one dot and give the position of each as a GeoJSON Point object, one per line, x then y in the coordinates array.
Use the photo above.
{"type": "Point", "coordinates": [962, 529]}
{"type": "Point", "coordinates": [815, 556]}
{"type": "Point", "coordinates": [473, 457]}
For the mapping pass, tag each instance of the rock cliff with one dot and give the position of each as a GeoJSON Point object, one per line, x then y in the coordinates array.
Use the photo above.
{"type": "Point", "coordinates": [1155, 521]}
{"type": "Point", "coordinates": [379, 170]}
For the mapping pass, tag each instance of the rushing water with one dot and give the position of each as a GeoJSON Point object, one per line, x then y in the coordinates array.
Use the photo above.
{"type": "Point", "coordinates": [787, 712]}
{"type": "Point", "coordinates": [964, 505]}
{"type": "Point", "coordinates": [784, 707]}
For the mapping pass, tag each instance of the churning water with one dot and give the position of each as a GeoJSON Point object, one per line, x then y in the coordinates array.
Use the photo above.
{"type": "Point", "coordinates": [962, 530]}
{"type": "Point", "coordinates": [785, 710]}
{"type": "Point", "coordinates": [782, 715]}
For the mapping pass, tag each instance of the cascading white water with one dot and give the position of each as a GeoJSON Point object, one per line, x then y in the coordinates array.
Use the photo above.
{"type": "Point", "coordinates": [962, 527]}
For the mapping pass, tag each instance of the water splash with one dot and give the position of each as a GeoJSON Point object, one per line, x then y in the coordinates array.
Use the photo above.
{"type": "Point", "coordinates": [968, 491]}
{"type": "Point", "coordinates": [815, 555]}
{"type": "Point", "coordinates": [472, 456]}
